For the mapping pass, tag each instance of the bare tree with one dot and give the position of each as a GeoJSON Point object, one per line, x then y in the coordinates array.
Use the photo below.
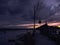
{"type": "Point", "coordinates": [35, 9]}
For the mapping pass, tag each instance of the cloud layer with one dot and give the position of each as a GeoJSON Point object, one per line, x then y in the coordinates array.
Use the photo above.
{"type": "Point", "coordinates": [12, 11]}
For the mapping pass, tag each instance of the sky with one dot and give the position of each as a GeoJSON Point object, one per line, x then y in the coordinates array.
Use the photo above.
{"type": "Point", "coordinates": [17, 11]}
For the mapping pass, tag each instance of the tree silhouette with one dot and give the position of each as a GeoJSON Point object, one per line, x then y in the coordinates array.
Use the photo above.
{"type": "Point", "coordinates": [35, 9]}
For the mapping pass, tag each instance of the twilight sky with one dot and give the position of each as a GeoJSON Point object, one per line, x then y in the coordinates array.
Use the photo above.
{"type": "Point", "coordinates": [16, 11]}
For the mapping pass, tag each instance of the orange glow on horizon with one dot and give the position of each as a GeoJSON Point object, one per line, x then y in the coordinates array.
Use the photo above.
{"type": "Point", "coordinates": [31, 25]}
{"type": "Point", "coordinates": [58, 26]}
{"type": "Point", "coordinates": [37, 25]}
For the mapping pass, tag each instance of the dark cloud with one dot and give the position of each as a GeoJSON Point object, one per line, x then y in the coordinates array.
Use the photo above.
{"type": "Point", "coordinates": [3, 7]}
{"type": "Point", "coordinates": [17, 10]}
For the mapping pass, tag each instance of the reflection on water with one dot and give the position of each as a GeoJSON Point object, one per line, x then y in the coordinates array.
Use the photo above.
{"type": "Point", "coordinates": [4, 37]}
{"type": "Point", "coordinates": [13, 35]}
{"type": "Point", "coordinates": [40, 39]}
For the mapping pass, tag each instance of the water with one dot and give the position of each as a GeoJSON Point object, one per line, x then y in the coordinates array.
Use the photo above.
{"type": "Point", "coordinates": [39, 39]}
{"type": "Point", "coordinates": [4, 37]}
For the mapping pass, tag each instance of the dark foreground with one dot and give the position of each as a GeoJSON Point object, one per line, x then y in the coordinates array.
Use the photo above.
{"type": "Point", "coordinates": [19, 37]}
